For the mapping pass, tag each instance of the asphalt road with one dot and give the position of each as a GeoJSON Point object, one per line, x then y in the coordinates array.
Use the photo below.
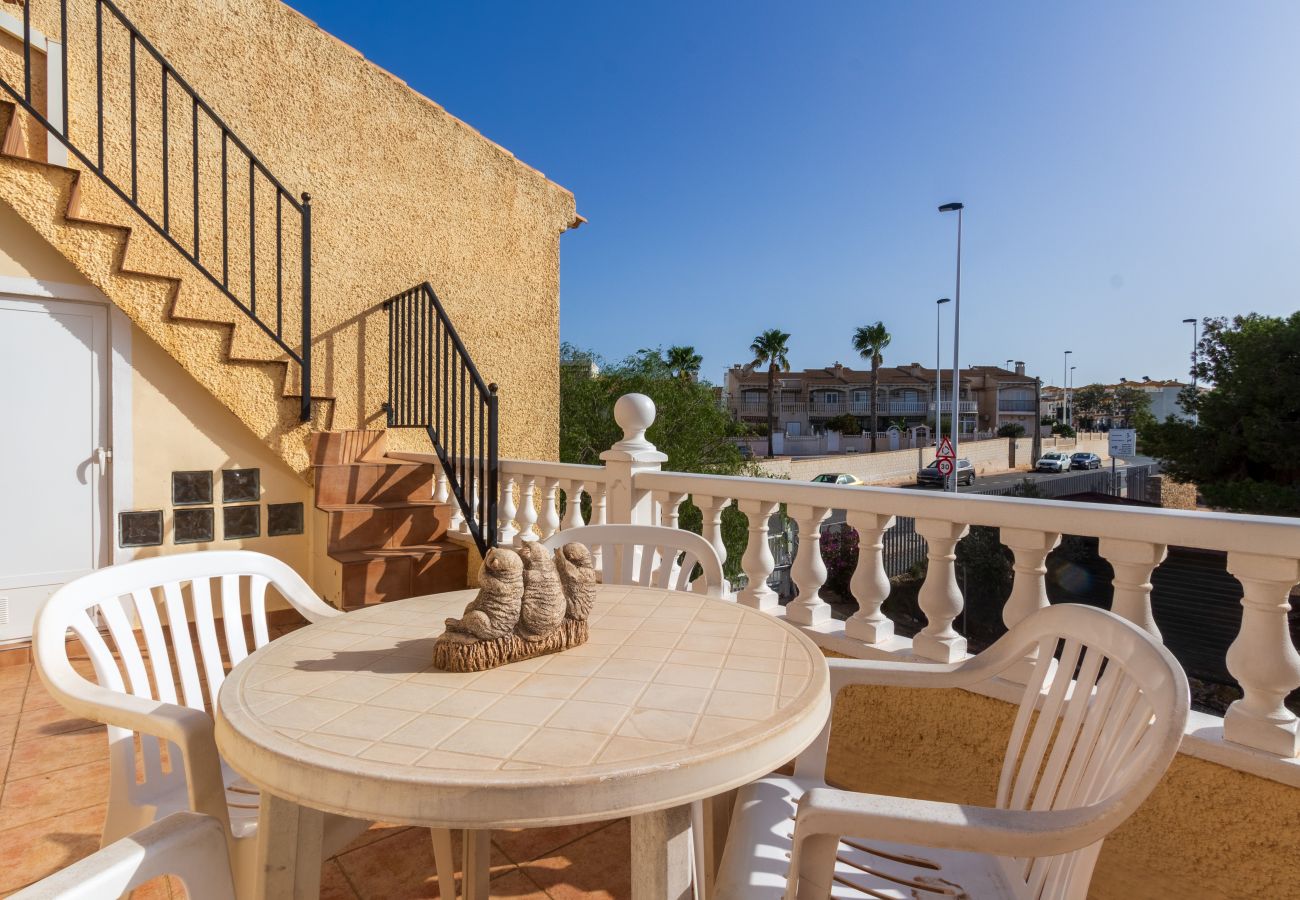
{"type": "Point", "coordinates": [989, 482]}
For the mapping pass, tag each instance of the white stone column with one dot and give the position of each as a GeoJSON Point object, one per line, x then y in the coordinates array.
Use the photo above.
{"type": "Point", "coordinates": [549, 523]}
{"type": "Point", "coordinates": [711, 510]}
{"type": "Point", "coordinates": [1133, 562]}
{"type": "Point", "coordinates": [573, 504]}
{"type": "Point", "coordinates": [527, 515]}
{"type": "Point", "coordinates": [940, 599]}
{"type": "Point", "coordinates": [870, 582]}
{"type": "Point", "coordinates": [1262, 657]}
{"type": "Point", "coordinates": [670, 503]}
{"type": "Point", "coordinates": [506, 531]}
{"type": "Point", "coordinates": [634, 413]}
{"type": "Point", "coordinates": [757, 561]}
{"type": "Point", "coordinates": [1028, 587]}
{"type": "Point", "coordinates": [808, 571]}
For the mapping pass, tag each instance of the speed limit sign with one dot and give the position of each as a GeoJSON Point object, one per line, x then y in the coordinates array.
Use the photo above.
{"type": "Point", "coordinates": [945, 467]}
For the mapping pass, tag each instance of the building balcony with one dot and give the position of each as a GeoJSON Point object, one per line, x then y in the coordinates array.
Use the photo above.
{"type": "Point", "coordinates": [945, 407]}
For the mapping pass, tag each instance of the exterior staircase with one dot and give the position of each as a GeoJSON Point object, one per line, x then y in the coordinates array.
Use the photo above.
{"type": "Point", "coordinates": [382, 525]}
{"type": "Point", "coordinates": [163, 294]}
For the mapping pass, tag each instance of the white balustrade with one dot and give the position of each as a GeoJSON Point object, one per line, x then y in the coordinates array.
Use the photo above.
{"type": "Point", "coordinates": [549, 521]}
{"type": "Point", "coordinates": [527, 515]}
{"type": "Point", "coordinates": [808, 571]}
{"type": "Point", "coordinates": [940, 599]}
{"type": "Point", "coordinates": [669, 503]}
{"type": "Point", "coordinates": [757, 561]}
{"type": "Point", "coordinates": [1028, 587]}
{"type": "Point", "coordinates": [870, 583]}
{"type": "Point", "coordinates": [1262, 658]}
{"type": "Point", "coordinates": [1133, 562]}
{"type": "Point", "coordinates": [711, 509]}
{"type": "Point", "coordinates": [506, 530]}
{"type": "Point", "coordinates": [573, 491]}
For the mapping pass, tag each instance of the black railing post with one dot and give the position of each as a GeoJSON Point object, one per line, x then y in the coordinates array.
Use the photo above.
{"type": "Point", "coordinates": [305, 413]}
{"type": "Point", "coordinates": [493, 471]}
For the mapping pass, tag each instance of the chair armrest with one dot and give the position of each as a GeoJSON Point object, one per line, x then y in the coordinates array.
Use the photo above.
{"type": "Point", "coordinates": [190, 730]}
{"type": "Point", "coordinates": [951, 826]}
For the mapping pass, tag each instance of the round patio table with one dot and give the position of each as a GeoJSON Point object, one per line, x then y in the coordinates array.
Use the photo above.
{"type": "Point", "coordinates": [675, 697]}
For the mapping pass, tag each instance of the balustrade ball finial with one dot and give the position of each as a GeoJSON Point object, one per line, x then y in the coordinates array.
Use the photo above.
{"type": "Point", "coordinates": [634, 413]}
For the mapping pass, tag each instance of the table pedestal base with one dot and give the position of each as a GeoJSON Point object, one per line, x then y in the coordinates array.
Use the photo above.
{"type": "Point", "coordinates": [661, 854]}
{"type": "Point", "coordinates": [289, 850]}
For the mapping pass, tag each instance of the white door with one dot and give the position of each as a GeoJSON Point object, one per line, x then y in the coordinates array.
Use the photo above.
{"type": "Point", "coordinates": [53, 468]}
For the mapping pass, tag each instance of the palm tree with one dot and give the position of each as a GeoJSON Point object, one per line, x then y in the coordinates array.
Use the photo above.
{"type": "Point", "coordinates": [770, 350]}
{"type": "Point", "coordinates": [870, 341]}
{"type": "Point", "coordinates": [684, 362]}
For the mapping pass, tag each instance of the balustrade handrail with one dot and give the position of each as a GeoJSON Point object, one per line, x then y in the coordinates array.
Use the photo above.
{"type": "Point", "coordinates": [1228, 532]}
{"type": "Point", "coordinates": [176, 93]}
{"type": "Point", "coordinates": [546, 469]}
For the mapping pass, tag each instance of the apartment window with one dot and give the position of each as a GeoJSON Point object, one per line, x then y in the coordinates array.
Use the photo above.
{"type": "Point", "coordinates": [862, 396]}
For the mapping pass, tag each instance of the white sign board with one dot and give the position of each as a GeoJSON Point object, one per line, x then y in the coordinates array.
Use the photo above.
{"type": "Point", "coordinates": [1123, 442]}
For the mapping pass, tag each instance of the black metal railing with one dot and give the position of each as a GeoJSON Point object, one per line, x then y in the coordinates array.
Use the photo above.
{"type": "Point", "coordinates": [128, 135]}
{"type": "Point", "coordinates": [433, 384]}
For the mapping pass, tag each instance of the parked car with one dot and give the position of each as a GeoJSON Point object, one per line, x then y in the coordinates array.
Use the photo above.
{"type": "Point", "coordinates": [1053, 461]}
{"type": "Point", "coordinates": [1085, 461]}
{"type": "Point", "coordinates": [930, 474]}
{"type": "Point", "coordinates": [837, 478]}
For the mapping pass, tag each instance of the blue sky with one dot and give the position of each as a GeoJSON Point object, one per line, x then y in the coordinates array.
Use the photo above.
{"type": "Point", "coordinates": [759, 164]}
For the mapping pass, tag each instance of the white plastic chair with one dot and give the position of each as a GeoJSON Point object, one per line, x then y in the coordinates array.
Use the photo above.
{"type": "Point", "coordinates": [1073, 772]}
{"type": "Point", "coordinates": [634, 554]}
{"type": "Point", "coordinates": [185, 845]}
{"type": "Point", "coordinates": [167, 693]}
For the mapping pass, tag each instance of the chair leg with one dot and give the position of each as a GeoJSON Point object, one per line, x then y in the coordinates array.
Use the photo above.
{"type": "Point", "coordinates": [444, 860]}
{"type": "Point", "coordinates": [699, 858]}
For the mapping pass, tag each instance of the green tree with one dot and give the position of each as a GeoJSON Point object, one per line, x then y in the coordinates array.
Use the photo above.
{"type": "Point", "coordinates": [844, 423]}
{"type": "Point", "coordinates": [684, 361]}
{"type": "Point", "coordinates": [1131, 405]}
{"type": "Point", "coordinates": [870, 342]}
{"type": "Point", "coordinates": [1241, 449]}
{"type": "Point", "coordinates": [1091, 402]}
{"type": "Point", "coordinates": [771, 349]}
{"type": "Point", "coordinates": [1011, 430]}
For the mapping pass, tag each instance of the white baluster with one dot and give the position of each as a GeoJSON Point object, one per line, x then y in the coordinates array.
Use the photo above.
{"type": "Point", "coordinates": [573, 504]}
{"type": "Point", "coordinates": [1133, 562]}
{"type": "Point", "coordinates": [669, 503]}
{"type": "Point", "coordinates": [940, 600]}
{"type": "Point", "coordinates": [441, 487]}
{"type": "Point", "coordinates": [527, 515]}
{"type": "Point", "coordinates": [550, 520]}
{"type": "Point", "coordinates": [711, 508]}
{"type": "Point", "coordinates": [1262, 657]}
{"type": "Point", "coordinates": [808, 571]}
{"type": "Point", "coordinates": [506, 531]}
{"type": "Point", "coordinates": [870, 583]}
{"type": "Point", "coordinates": [1028, 586]}
{"type": "Point", "coordinates": [757, 561]}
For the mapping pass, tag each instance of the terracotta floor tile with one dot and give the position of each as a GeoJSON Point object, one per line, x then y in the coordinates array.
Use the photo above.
{"type": "Point", "coordinates": [515, 885]}
{"type": "Point", "coordinates": [38, 697]}
{"type": "Point", "coordinates": [157, 889]}
{"type": "Point", "coordinates": [35, 723]}
{"type": "Point", "coordinates": [334, 884]}
{"type": "Point", "coordinates": [54, 793]}
{"type": "Point", "coordinates": [523, 845]}
{"type": "Point", "coordinates": [401, 866]}
{"type": "Point", "coordinates": [32, 851]}
{"type": "Point", "coordinates": [59, 751]}
{"type": "Point", "coordinates": [8, 727]}
{"type": "Point", "coordinates": [596, 867]}
{"type": "Point", "coordinates": [11, 699]}
{"type": "Point", "coordinates": [376, 832]}
{"type": "Point", "coordinates": [12, 676]}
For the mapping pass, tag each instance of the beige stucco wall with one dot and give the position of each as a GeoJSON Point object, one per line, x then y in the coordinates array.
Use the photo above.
{"type": "Point", "coordinates": [402, 193]}
{"type": "Point", "coordinates": [23, 254]}
{"type": "Point", "coordinates": [1205, 832]}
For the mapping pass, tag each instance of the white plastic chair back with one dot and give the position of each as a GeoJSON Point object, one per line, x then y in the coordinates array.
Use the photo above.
{"type": "Point", "coordinates": [1102, 738]}
{"type": "Point", "coordinates": [187, 846]}
{"type": "Point", "coordinates": [163, 660]}
{"type": "Point", "coordinates": [649, 555]}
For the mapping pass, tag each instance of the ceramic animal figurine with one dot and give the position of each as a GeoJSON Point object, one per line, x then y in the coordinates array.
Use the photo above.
{"type": "Point", "coordinates": [544, 604]}
{"type": "Point", "coordinates": [494, 613]}
{"type": "Point", "coordinates": [578, 576]}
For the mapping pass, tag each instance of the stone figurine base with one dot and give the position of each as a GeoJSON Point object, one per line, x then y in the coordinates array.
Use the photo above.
{"type": "Point", "coordinates": [454, 652]}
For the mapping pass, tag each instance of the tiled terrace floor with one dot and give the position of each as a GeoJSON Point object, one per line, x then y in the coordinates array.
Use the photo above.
{"type": "Point", "coordinates": [54, 784]}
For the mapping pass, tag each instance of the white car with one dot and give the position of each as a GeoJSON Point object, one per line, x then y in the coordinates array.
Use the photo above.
{"type": "Point", "coordinates": [1053, 461]}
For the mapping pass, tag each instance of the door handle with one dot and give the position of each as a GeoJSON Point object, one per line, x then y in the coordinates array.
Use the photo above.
{"type": "Point", "coordinates": [102, 456]}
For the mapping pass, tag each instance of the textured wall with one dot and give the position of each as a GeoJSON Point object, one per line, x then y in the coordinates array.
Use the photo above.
{"type": "Point", "coordinates": [1205, 832]}
{"type": "Point", "coordinates": [403, 192]}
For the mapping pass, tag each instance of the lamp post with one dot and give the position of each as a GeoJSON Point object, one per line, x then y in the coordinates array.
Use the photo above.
{"type": "Point", "coordinates": [1196, 344]}
{"type": "Point", "coordinates": [1065, 393]}
{"type": "Point", "coordinates": [938, 371]}
{"type": "Point", "coordinates": [956, 343]}
{"type": "Point", "coordinates": [1070, 396]}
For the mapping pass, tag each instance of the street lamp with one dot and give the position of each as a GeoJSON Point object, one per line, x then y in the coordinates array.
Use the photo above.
{"type": "Point", "coordinates": [1071, 396]}
{"type": "Point", "coordinates": [1196, 344]}
{"type": "Point", "coordinates": [938, 371]}
{"type": "Point", "coordinates": [1065, 393]}
{"type": "Point", "coordinates": [956, 342]}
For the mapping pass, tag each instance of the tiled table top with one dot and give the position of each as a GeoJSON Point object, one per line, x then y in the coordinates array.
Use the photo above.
{"type": "Point", "coordinates": [675, 696]}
